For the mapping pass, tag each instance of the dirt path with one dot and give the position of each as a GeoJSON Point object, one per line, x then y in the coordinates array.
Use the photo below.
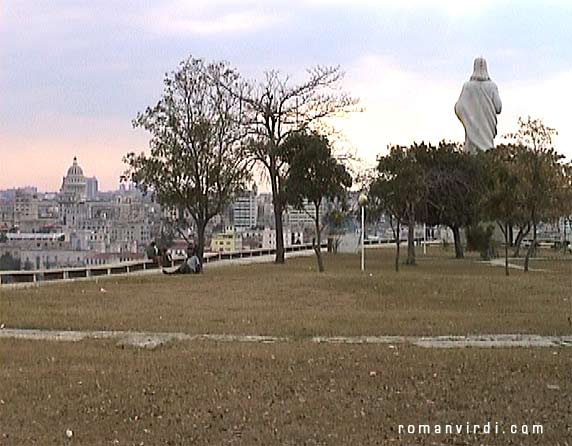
{"type": "Point", "coordinates": [153, 340]}
{"type": "Point", "coordinates": [500, 262]}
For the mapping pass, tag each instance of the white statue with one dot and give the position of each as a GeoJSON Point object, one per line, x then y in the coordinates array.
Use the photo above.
{"type": "Point", "coordinates": [478, 107]}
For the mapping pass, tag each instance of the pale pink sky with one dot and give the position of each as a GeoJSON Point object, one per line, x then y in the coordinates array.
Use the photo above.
{"type": "Point", "coordinates": [74, 73]}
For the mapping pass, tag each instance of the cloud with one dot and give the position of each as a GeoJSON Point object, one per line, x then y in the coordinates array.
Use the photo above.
{"type": "Point", "coordinates": [228, 23]}
{"type": "Point", "coordinates": [452, 8]}
{"type": "Point", "coordinates": [402, 106]}
{"type": "Point", "coordinates": [209, 18]}
{"type": "Point", "coordinates": [547, 99]}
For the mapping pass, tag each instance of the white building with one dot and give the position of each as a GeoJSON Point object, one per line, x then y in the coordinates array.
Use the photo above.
{"type": "Point", "coordinates": [91, 188]}
{"type": "Point", "coordinates": [74, 186]}
{"type": "Point", "coordinates": [300, 218]}
{"type": "Point", "coordinates": [25, 206]}
{"type": "Point", "coordinates": [73, 194]}
{"type": "Point", "coordinates": [245, 210]}
{"type": "Point", "coordinates": [290, 238]}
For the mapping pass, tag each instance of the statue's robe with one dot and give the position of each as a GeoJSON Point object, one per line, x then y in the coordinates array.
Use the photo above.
{"type": "Point", "coordinates": [477, 108]}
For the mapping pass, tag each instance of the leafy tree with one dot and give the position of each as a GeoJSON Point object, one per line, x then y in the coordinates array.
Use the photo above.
{"type": "Point", "coordinates": [542, 175]}
{"type": "Point", "coordinates": [275, 109]}
{"type": "Point", "coordinates": [504, 197]}
{"type": "Point", "coordinates": [314, 175]}
{"type": "Point", "coordinates": [455, 183]}
{"type": "Point", "coordinates": [480, 238]}
{"type": "Point", "coordinates": [197, 160]}
{"type": "Point", "coordinates": [9, 263]}
{"type": "Point", "coordinates": [399, 189]}
{"type": "Point", "coordinates": [336, 220]}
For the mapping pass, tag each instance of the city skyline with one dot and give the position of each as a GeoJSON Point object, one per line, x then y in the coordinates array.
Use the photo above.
{"type": "Point", "coordinates": [76, 73]}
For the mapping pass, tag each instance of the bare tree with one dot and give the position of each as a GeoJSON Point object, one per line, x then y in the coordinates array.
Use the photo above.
{"type": "Point", "coordinates": [275, 109]}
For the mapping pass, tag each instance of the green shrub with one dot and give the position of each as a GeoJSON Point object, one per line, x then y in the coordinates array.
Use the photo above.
{"type": "Point", "coordinates": [480, 239]}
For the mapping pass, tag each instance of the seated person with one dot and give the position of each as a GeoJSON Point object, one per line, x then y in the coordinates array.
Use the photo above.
{"type": "Point", "coordinates": [166, 259]}
{"type": "Point", "coordinates": [152, 253]}
{"type": "Point", "coordinates": [192, 265]}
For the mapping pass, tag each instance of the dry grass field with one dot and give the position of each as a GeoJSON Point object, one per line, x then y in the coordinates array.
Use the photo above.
{"type": "Point", "coordinates": [440, 296]}
{"type": "Point", "coordinates": [295, 393]}
{"type": "Point", "coordinates": [279, 394]}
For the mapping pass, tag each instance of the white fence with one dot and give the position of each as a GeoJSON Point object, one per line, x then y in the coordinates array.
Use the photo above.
{"type": "Point", "coordinates": [62, 274]}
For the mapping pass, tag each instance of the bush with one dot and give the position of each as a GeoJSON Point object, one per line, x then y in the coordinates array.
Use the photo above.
{"type": "Point", "coordinates": [9, 263]}
{"type": "Point", "coordinates": [480, 239]}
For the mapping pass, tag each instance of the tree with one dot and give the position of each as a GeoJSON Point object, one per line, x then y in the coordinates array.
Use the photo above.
{"type": "Point", "coordinates": [276, 109]}
{"type": "Point", "coordinates": [455, 185]}
{"type": "Point", "coordinates": [504, 194]}
{"type": "Point", "coordinates": [9, 263]}
{"type": "Point", "coordinates": [336, 220]}
{"type": "Point", "coordinates": [314, 175]}
{"type": "Point", "coordinates": [197, 160]}
{"type": "Point", "coordinates": [3, 237]}
{"type": "Point", "coordinates": [542, 174]}
{"type": "Point", "coordinates": [399, 188]}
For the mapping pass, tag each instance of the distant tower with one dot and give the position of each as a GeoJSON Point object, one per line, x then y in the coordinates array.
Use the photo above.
{"type": "Point", "coordinates": [73, 195]}
{"type": "Point", "coordinates": [245, 209]}
{"type": "Point", "coordinates": [74, 187]}
{"type": "Point", "coordinates": [92, 188]}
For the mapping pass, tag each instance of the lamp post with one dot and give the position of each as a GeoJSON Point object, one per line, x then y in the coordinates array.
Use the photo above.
{"type": "Point", "coordinates": [362, 201]}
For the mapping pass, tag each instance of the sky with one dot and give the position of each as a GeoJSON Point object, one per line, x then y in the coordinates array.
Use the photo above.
{"type": "Point", "coordinates": [75, 73]}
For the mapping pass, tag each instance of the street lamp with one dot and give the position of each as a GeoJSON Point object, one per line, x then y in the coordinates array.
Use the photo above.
{"type": "Point", "coordinates": [362, 201]}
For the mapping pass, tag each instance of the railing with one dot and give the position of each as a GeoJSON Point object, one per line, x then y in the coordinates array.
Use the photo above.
{"type": "Point", "coordinates": [418, 240]}
{"type": "Point", "coordinates": [59, 274]}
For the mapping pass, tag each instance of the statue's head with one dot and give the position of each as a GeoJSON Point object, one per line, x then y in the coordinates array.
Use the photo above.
{"type": "Point", "coordinates": [480, 72]}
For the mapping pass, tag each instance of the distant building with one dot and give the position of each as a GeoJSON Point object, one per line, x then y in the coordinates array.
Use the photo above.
{"type": "Point", "coordinates": [299, 218]}
{"type": "Point", "coordinates": [290, 238]}
{"type": "Point", "coordinates": [73, 195]}
{"type": "Point", "coordinates": [74, 186]}
{"type": "Point", "coordinates": [6, 214]}
{"type": "Point", "coordinates": [91, 188]}
{"type": "Point", "coordinates": [228, 241]}
{"type": "Point", "coordinates": [245, 210]}
{"type": "Point", "coordinates": [25, 206]}
{"type": "Point", "coordinates": [265, 210]}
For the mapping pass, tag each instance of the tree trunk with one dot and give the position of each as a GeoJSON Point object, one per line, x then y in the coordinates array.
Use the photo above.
{"type": "Point", "coordinates": [397, 245]}
{"type": "Point", "coordinates": [531, 249]}
{"type": "Point", "coordinates": [506, 243]}
{"type": "Point", "coordinates": [200, 246]}
{"type": "Point", "coordinates": [511, 235]}
{"type": "Point", "coordinates": [411, 239]}
{"type": "Point", "coordinates": [277, 204]}
{"type": "Point", "coordinates": [459, 254]}
{"type": "Point", "coordinates": [279, 234]}
{"type": "Point", "coordinates": [535, 238]}
{"type": "Point", "coordinates": [318, 238]}
{"type": "Point", "coordinates": [522, 232]}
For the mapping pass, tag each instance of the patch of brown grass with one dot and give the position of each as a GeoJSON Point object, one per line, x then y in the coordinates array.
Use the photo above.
{"type": "Point", "coordinates": [439, 296]}
{"type": "Point", "coordinates": [287, 394]}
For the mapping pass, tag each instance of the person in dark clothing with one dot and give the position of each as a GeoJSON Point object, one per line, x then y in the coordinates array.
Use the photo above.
{"type": "Point", "coordinates": [192, 265]}
{"type": "Point", "coordinates": [152, 253]}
